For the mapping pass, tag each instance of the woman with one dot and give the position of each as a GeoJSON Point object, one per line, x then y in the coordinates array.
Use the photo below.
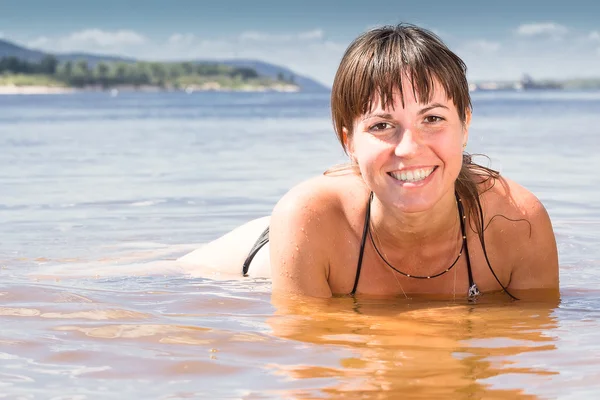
{"type": "Point", "coordinates": [412, 214]}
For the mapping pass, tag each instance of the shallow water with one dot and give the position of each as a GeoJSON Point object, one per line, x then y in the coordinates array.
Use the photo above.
{"type": "Point", "coordinates": [100, 194]}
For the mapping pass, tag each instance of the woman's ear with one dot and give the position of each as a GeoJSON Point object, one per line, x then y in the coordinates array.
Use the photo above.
{"type": "Point", "coordinates": [467, 124]}
{"type": "Point", "coordinates": [347, 143]}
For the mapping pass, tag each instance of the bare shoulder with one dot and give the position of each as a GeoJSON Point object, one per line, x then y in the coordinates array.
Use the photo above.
{"type": "Point", "coordinates": [520, 228]}
{"type": "Point", "coordinates": [505, 199]}
{"type": "Point", "coordinates": [304, 225]}
{"type": "Point", "coordinates": [321, 196]}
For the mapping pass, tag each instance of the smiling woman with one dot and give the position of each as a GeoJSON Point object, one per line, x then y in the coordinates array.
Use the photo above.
{"type": "Point", "coordinates": [411, 213]}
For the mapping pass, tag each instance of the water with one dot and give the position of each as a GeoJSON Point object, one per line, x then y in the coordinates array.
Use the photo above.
{"type": "Point", "coordinates": [100, 194]}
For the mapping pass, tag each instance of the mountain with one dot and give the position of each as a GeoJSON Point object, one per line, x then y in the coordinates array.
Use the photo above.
{"type": "Point", "coordinates": [272, 70]}
{"type": "Point", "coordinates": [8, 49]}
{"type": "Point", "coordinates": [93, 59]}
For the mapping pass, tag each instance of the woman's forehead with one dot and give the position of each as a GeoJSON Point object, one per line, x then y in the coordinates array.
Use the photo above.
{"type": "Point", "coordinates": [408, 97]}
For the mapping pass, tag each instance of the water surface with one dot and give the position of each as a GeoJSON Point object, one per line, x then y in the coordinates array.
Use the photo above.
{"type": "Point", "coordinates": [100, 194]}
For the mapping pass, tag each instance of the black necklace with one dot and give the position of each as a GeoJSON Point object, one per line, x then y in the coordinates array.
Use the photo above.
{"type": "Point", "coordinates": [462, 218]}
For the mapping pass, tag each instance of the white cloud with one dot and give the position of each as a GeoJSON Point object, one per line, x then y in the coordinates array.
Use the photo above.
{"type": "Point", "coordinates": [542, 29]}
{"type": "Point", "coordinates": [92, 40]}
{"type": "Point", "coordinates": [315, 34]}
{"type": "Point", "coordinates": [295, 50]}
{"type": "Point", "coordinates": [39, 42]}
{"type": "Point", "coordinates": [1, 35]}
{"type": "Point", "coordinates": [104, 38]}
{"type": "Point", "coordinates": [178, 39]}
{"type": "Point", "coordinates": [542, 59]}
{"type": "Point", "coordinates": [482, 46]}
{"type": "Point", "coordinates": [252, 35]}
{"type": "Point", "coordinates": [506, 57]}
{"type": "Point", "coordinates": [311, 53]}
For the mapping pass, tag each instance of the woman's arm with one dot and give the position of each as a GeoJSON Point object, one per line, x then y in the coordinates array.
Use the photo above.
{"type": "Point", "coordinates": [535, 264]}
{"type": "Point", "coordinates": [301, 241]}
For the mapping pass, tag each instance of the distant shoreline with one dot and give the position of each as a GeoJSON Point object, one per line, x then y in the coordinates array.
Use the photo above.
{"type": "Point", "coordinates": [37, 89]}
{"type": "Point", "coordinates": [113, 91]}
{"type": "Point", "coordinates": [49, 90]}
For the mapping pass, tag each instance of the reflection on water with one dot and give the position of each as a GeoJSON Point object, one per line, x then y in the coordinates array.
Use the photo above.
{"type": "Point", "coordinates": [101, 194]}
{"type": "Point", "coordinates": [185, 337]}
{"type": "Point", "coordinates": [172, 336]}
{"type": "Point", "coordinates": [428, 350]}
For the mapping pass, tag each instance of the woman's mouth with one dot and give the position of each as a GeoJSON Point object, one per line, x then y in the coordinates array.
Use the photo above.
{"type": "Point", "coordinates": [413, 175]}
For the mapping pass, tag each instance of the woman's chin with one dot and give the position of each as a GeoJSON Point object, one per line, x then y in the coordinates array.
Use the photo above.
{"type": "Point", "coordinates": [410, 207]}
{"type": "Point", "coordinates": [413, 201]}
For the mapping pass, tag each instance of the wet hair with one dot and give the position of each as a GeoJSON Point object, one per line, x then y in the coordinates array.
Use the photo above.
{"type": "Point", "coordinates": [376, 63]}
{"type": "Point", "coordinates": [372, 70]}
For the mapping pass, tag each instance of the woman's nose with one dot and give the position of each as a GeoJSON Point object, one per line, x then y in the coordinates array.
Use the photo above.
{"type": "Point", "coordinates": [408, 144]}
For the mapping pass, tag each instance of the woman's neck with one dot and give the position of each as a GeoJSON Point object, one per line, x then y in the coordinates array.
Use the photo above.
{"type": "Point", "coordinates": [408, 229]}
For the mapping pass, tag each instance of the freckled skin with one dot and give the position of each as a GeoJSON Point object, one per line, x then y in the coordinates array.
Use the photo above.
{"type": "Point", "coordinates": [317, 227]}
{"type": "Point", "coordinates": [414, 221]}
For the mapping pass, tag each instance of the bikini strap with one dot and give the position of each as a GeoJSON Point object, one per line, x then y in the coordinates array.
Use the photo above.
{"type": "Point", "coordinates": [362, 244]}
{"type": "Point", "coordinates": [260, 242]}
{"type": "Point", "coordinates": [473, 289]}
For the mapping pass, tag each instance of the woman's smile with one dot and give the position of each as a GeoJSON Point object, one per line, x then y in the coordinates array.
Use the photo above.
{"type": "Point", "coordinates": [412, 175]}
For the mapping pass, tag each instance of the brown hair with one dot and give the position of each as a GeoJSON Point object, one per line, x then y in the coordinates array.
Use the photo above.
{"type": "Point", "coordinates": [375, 64]}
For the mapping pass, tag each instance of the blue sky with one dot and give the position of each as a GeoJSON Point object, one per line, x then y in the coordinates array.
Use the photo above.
{"type": "Point", "coordinates": [497, 40]}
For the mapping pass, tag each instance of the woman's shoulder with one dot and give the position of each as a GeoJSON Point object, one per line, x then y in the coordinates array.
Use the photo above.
{"type": "Point", "coordinates": [503, 196]}
{"type": "Point", "coordinates": [520, 230]}
{"type": "Point", "coordinates": [307, 227]}
{"type": "Point", "coordinates": [328, 195]}
{"type": "Point", "coordinates": [519, 227]}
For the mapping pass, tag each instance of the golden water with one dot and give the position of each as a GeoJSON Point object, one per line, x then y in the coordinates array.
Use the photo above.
{"type": "Point", "coordinates": [100, 193]}
{"type": "Point", "coordinates": [174, 337]}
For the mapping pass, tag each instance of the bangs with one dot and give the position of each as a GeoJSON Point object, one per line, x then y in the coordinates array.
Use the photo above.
{"type": "Point", "coordinates": [376, 64]}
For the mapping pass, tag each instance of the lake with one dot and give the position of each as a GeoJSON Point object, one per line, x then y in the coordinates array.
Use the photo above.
{"type": "Point", "coordinates": [100, 194]}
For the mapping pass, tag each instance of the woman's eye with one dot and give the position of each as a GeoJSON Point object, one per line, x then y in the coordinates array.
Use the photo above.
{"type": "Point", "coordinates": [380, 126]}
{"type": "Point", "coordinates": [433, 119]}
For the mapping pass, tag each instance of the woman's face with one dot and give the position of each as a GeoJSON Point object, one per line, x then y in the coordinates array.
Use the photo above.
{"type": "Point", "coordinates": [411, 155]}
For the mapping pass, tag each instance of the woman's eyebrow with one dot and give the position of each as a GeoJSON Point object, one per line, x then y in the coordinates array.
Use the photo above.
{"type": "Point", "coordinates": [389, 116]}
{"type": "Point", "coordinates": [377, 115]}
{"type": "Point", "coordinates": [430, 107]}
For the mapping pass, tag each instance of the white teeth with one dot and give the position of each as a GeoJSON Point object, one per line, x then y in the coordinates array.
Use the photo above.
{"type": "Point", "coordinates": [414, 175]}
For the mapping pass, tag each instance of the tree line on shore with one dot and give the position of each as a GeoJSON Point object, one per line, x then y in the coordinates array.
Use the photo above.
{"type": "Point", "coordinates": [108, 74]}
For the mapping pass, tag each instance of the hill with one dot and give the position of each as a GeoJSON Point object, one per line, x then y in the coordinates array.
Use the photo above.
{"type": "Point", "coordinates": [8, 49]}
{"type": "Point", "coordinates": [307, 84]}
{"type": "Point", "coordinates": [271, 70]}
